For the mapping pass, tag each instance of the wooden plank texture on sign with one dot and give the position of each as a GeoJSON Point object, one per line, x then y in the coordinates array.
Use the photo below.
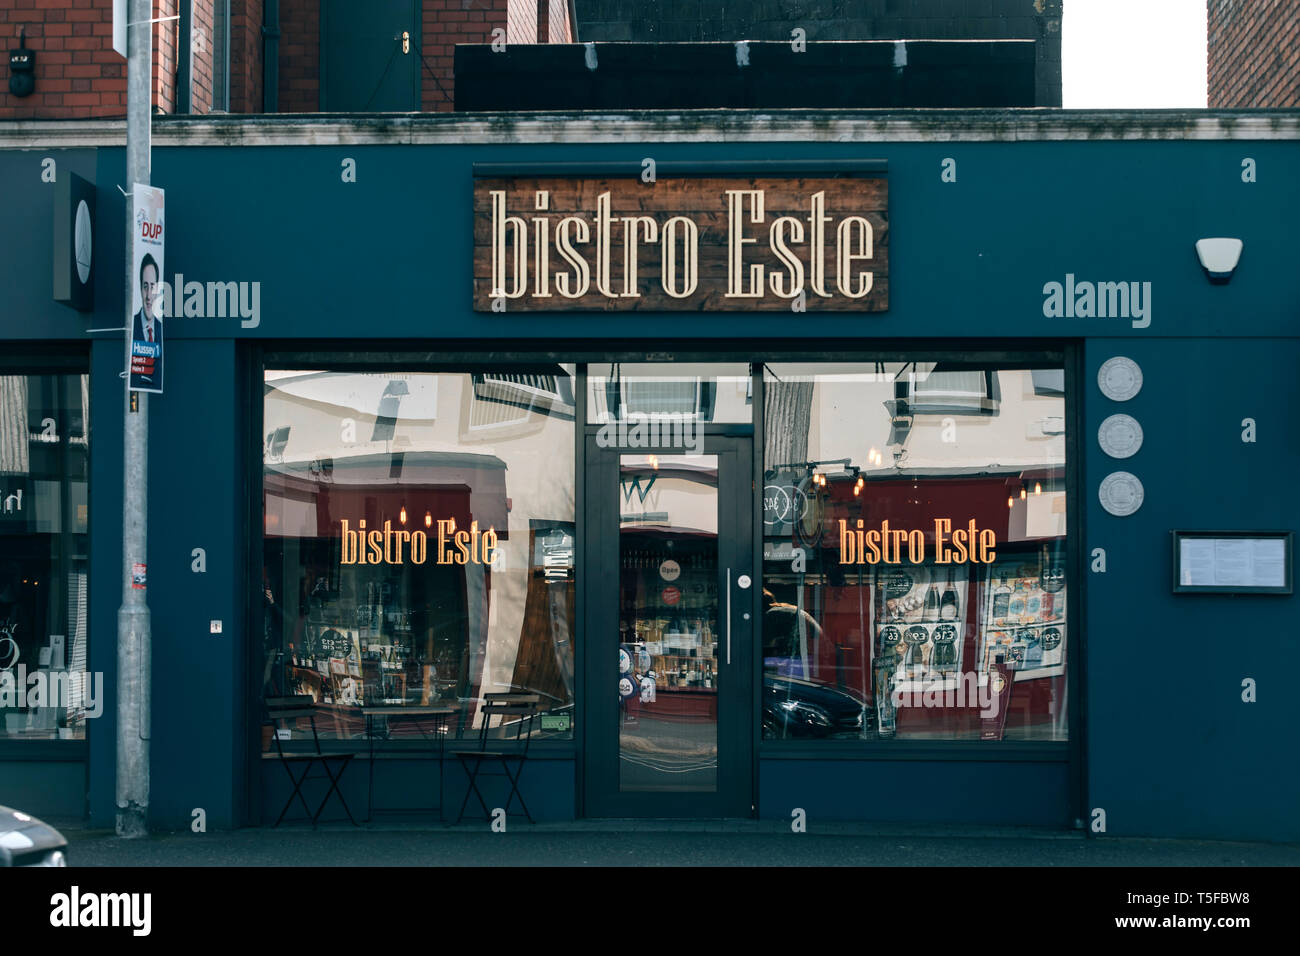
{"type": "Point", "coordinates": [730, 220]}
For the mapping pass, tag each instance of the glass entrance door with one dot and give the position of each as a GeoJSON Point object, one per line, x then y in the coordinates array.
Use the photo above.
{"type": "Point", "coordinates": [669, 600]}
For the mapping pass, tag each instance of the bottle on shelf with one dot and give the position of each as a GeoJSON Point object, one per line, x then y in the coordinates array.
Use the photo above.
{"type": "Point", "coordinates": [948, 603]}
{"type": "Point", "coordinates": [1016, 606]}
{"type": "Point", "coordinates": [931, 612]}
{"type": "Point", "coordinates": [1001, 600]}
{"type": "Point", "coordinates": [1048, 607]}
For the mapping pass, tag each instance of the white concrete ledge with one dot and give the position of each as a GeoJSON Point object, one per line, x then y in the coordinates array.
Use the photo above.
{"type": "Point", "coordinates": [668, 126]}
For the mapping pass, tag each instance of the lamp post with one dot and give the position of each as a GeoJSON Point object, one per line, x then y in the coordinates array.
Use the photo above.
{"type": "Point", "coordinates": [134, 640]}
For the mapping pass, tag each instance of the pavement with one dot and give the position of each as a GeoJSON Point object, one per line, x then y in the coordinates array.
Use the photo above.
{"type": "Point", "coordinates": [658, 843]}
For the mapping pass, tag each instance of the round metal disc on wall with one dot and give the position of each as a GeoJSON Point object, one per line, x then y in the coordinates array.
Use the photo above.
{"type": "Point", "coordinates": [1120, 436]}
{"type": "Point", "coordinates": [1121, 493]}
{"type": "Point", "coordinates": [1119, 378]}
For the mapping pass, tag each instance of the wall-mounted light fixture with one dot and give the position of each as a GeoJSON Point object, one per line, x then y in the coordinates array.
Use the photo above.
{"type": "Point", "coordinates": [22, 66]}
{"type": "Point", "coordinates": [1219, 258]}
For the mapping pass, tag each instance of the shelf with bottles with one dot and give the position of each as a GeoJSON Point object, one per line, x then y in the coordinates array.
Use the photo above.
{"type": "Point", "coordinates": [680, 635]}
{"type": "Point", "coordinates": [696, 674]}
{"type": "Point", "coordinates": [655, 559]}
{"type": "Point", "coordinates": [389, 656]}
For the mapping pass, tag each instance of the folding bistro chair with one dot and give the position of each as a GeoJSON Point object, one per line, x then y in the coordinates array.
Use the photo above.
{"type": "Point", "coordinates": [280, 709]}
{"type": "Point", "coordinates": [506, 751]}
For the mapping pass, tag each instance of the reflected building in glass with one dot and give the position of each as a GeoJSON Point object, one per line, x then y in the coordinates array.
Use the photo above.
{"type": "Point", "coordinates": [419, 540]}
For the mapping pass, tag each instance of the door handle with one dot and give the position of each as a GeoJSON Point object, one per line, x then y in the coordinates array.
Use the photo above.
{"type": "Point", "coordinates": [728, 617]}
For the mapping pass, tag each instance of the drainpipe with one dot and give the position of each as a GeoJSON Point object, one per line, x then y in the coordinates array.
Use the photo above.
{"type": "Point", "coordinates": [185, 59]}
{"type": "Point", "coordinates": [271, 56]}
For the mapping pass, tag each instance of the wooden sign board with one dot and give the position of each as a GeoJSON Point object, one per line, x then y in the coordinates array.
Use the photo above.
{"type": "Point", "coordinates": [694, 244]}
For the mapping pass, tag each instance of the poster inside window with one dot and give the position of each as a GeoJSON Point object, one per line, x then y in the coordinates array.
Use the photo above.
{"type": "Point", "coordinates": [419, 544]}
{"type": "Point", "coordinates": [914, 570]}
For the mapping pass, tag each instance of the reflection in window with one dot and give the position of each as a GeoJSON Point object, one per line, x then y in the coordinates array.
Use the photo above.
{"type": "Point", "coordinates": [419, 536]}
{"type": "Point", "coordinates": [678, 392]}
{"type": "Point", "coordinates": [45, 690]}
{"type": "Point", "coordinates": [914, 579]}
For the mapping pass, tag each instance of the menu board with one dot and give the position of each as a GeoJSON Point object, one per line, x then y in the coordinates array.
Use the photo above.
{"type": "Point", "coordinates": [1232, 562]}
{"type": "Point", "coordinates": [1024, 617]}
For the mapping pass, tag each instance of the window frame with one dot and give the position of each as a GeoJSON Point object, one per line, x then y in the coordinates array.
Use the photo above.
{"type": "Point", "coordinates": [465, 355]}
{"type": "Point", "coordinates": [1058, 354]}
{"type": "Point", "coordinates": [58, 361]}
{"type": "Point", "coordinates": [340, 359]}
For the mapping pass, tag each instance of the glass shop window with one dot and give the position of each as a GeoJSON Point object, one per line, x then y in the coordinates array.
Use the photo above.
{"type": "Point", "coordinates": [419, 543]}
{"type": "Point", "coordinates": [658, 403]}
{"type": "Point", "coordinates": [45, 690]}
{"type": "Point", "coordinates": [914, 531]}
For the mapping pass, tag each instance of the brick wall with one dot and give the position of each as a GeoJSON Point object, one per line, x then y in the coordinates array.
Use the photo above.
{"type": "Point", "coordinates": [446, 23]}
{"type": "Point", "coordinates": [246, 55]}
{"type": "Point", "coordinates": [201, 47]}
{"type": "Point", "coordinates": [1253, 53]}
{"type": "Point", "coordinates": [165, 44]}
{"type": "Point", "coordinates": [77, 73]}
{"type": "Point", "coordinates": [299, 61]}
{"type": "Point", "coordinates": [696, 21]}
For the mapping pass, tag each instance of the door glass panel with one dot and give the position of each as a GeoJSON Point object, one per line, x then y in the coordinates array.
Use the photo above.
{"type": "Point", "coordinates": [668, 623]}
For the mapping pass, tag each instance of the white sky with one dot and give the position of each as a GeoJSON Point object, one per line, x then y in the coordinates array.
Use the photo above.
{"type": "Point", "coordinates": [1133, 54]}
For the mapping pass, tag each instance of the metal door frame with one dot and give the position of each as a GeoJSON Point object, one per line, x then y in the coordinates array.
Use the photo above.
{"type": "Point", "coordinates": [600, 511]}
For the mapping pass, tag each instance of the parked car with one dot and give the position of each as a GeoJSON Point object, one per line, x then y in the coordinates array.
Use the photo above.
{"type": "Point", "coordinates": [26, 841]}
{"type": "Point", "coordinates": [793, 707]}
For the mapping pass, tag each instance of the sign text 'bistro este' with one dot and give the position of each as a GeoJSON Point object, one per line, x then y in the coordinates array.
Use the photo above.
{"type": "Point", "coordinates": [683, 244]}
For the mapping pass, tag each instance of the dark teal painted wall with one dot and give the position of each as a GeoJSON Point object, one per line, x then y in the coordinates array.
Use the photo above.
{"type": "Point", "coordinates": [1171, 749]}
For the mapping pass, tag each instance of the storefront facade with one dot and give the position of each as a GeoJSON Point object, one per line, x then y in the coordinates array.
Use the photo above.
{"type": "Point", "coordinates": [777, 454]}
